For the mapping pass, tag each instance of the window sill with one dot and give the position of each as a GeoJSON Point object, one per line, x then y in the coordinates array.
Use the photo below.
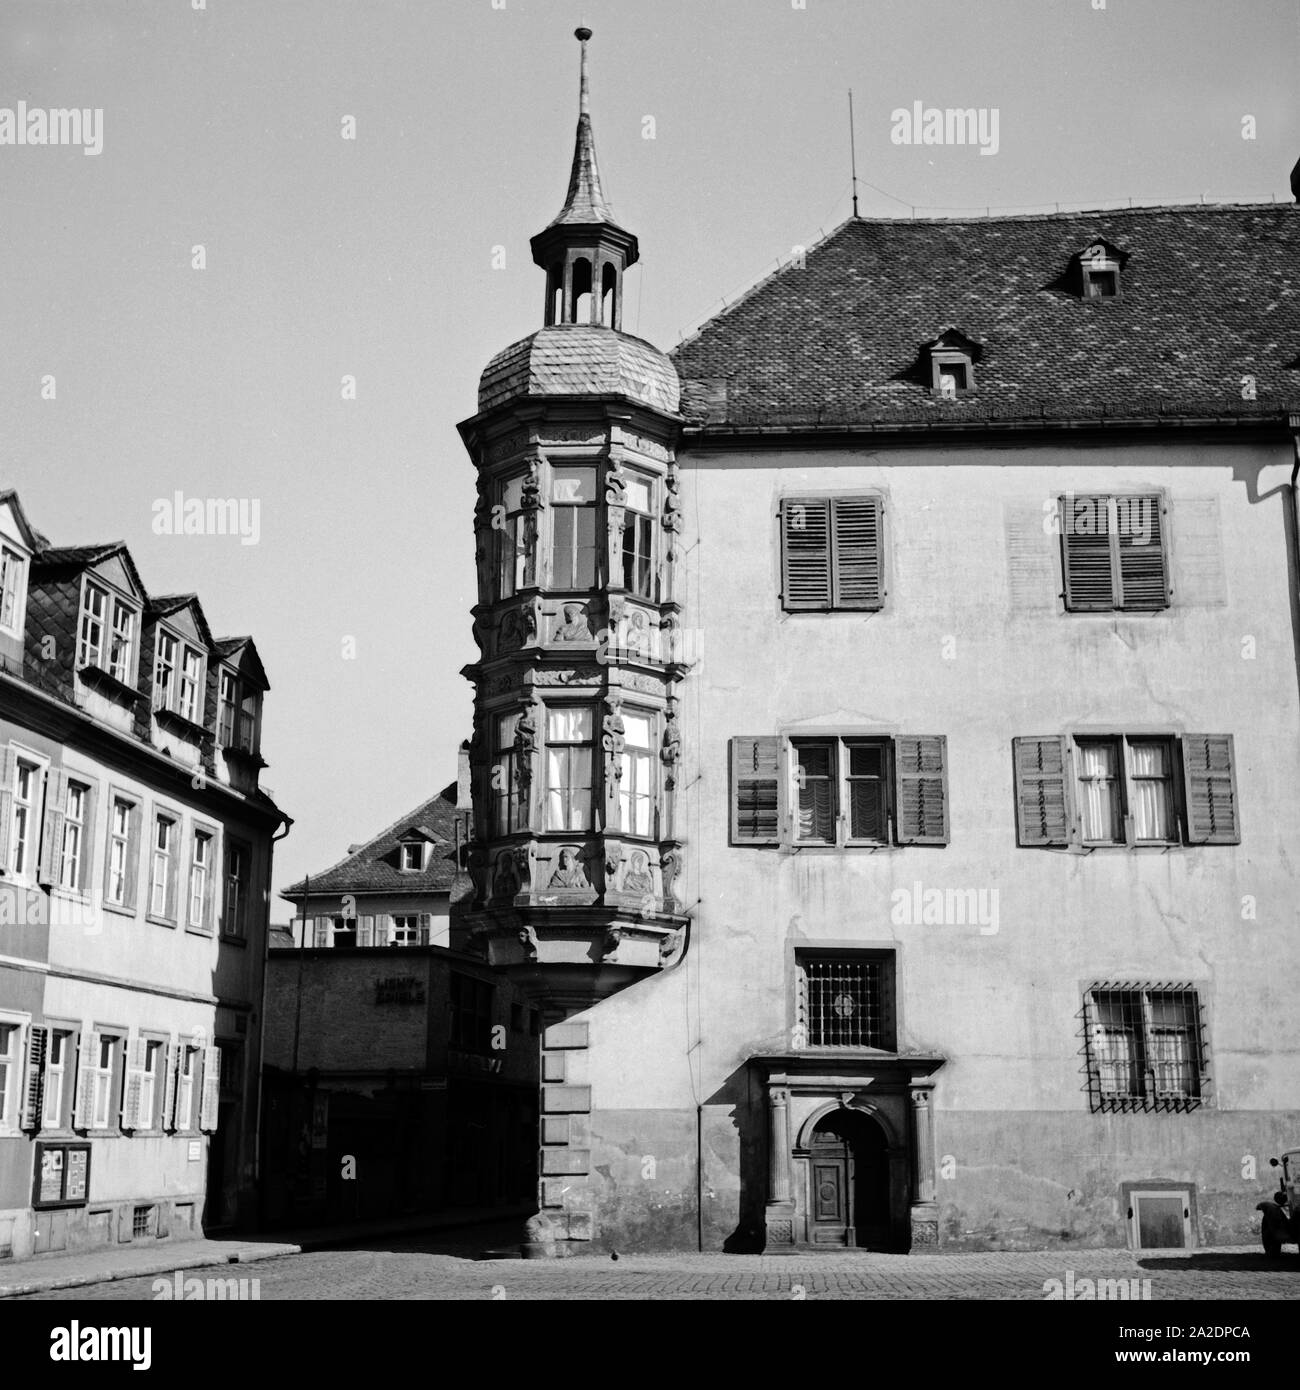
{"type": "Point", "coordinates": [229, 939]}
{"type": "Point", "coordinates": [179, 724]}
{"type": "Point", "coordinates": [98, 676]}
{"type": "Point", "coordinates": [160, 921]}
{"type": "Point", "coordinates": [198, 931]}
{"type": "Point", "coordinates": [120, 909]}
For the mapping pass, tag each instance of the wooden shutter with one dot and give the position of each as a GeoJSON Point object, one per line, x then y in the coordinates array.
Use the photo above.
{"type": "Point", "coordinates": [1140, 533]}
{"type": "Point", "coordinates": [1085, 544]}
{"type": "Point", "coordinates": [365, 931]}
{"type": "Point", "coordinates": [756, 790]}
{"type": "Point", "coordinates": [805, 553]}
{"type": "Point", "coordinates": [170, 1071]}
{"type": "Point", "coordinates": [921, 788]}
{"type": "Point", "coordinates": [1211, 790]}
{"type": "Point", "coordinates": [133, 1083]}
{"type": "Point", "coordinates": [426, 927]}
{"type": "Point", "coordinates": [51, 853]}
{"type": "Point", "coordinates": [8, 766]}
{"type": "Point", "coordinates": [85, 869]}
{"type": "Point", "coordinates": [322, 931]}
{"type": "Point", "coordinates": [209, 1106]}
{"type": "Point", "coordinates": [38, 1042]}
{"type": "Point", "coordinates": [215, 865]}
{"type": "Point", "coordinates": [1042, 770]}
{"type": "Point", "coordinates": [856, 552]}
{"type": "Point", "coordinates": [134, 819]}
{"type": "Point", "coordinates": [87, 1056]}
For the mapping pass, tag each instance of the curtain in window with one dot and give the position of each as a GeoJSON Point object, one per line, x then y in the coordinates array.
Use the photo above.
{"type": "Point", "coordinates": [816, 795]}
{"type": "Point", "coordinates": [1152, 791]}
{"type": "Point", "coordinates": [1116, 1042]}
{"type": "Point", "coordinates": [1172, 1045]}
{"type": "Point", "coordinates": [505, 788]}
{"type": "Point", "coordinates": [1099, 790]}
{"type": "Point", "coordinates": [636, 786]}
{"type": "Point", "coordinates": [568, 768]}
{"type": "Point", "coordinates": [866, 793]}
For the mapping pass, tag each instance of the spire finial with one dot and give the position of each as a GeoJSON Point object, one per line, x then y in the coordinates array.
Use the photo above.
{"type": "Point", "coordinates": [582, 34]}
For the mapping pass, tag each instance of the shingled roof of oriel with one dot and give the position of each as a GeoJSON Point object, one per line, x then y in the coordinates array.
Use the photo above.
{"type": "Point", "coordinates": [1208, 295]}
{"type": "Point", "coordinates": [369, 870]}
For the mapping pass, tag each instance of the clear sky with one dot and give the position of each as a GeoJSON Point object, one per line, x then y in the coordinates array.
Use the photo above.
{"type": "Point", "coordinates": [374, 258]}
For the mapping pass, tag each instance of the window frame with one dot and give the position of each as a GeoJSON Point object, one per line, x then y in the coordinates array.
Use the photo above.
{"type": "Point", "coordinates": [840, 778]}
{"type": "Point", "coordinates": [1066, 526]}
{"type": "Point", "coordinates": [170, 915]}
{"type": "Point", "coordinates": [64, 1038]}
{"type": "Point", "coordinates": [14, 1074]}
{"type": "Point", "coordinates": [591, 507]}
{"type": "Point", "coordinates": [84, 828]}
{"type": "Point", "coordinates": [111, 1077]}
{"type": "Point", "coordinates": [884, 957]}
{"type": "Point", "coordinates": [640, 524]}
{"type": "Point", "coordinates": [951, 357]}
{"type": "Point", "coordinates": [1148, 1095]}
{"type": "Point", "coordinates": [15, 563]}
{"type": "Point", "coordinates": [36, 807]}
{"type": "Point", "coordinates": [838, 550]}
{"type": "Point", "coordinates": [404, 848]}
{"type": "Point", "coordinates": [565, 789]}
{"type": "Point", "coordinates": [1126, 829]}
{"type": "Point", "coordinates": [201, 830]}
{"type": "Point", "coordinates": [646, 757]}
{"type": "Point", "coordinates": [234, 925]}
{"type": "Point", "coordinates": [1095, 261]}
{"type": "Point", "coordinates": [131, 853]}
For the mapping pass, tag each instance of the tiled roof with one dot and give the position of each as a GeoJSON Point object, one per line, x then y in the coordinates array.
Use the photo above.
{"type": "Point", "coordinates": [584, 204]}
{"type": "Point", "coordinates": [164, 605]}
{"type": "Point", "coordinates": [577, 359]}
{"type": "Point", "coordinates": [1208, 296]}
{"type": "Point", "coordinates": [373, 867]}
{"type": "Point", "coordinates": [76, 556]}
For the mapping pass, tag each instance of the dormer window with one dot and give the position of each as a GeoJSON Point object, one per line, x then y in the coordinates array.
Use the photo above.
{"type": "Point", "coordinates": [237, 710]}
{"type": "Point", "coordinates": [947, 365]}
{"type": "Point", "coordinates": [178, 682]}
{"type": "Point", "coordinates": [106, 633]}
{"type": "Point", "coordinates": [412, 856]}
{"type": "Point", "coordinates": [1099, 270]}
{"type": "Point", "coordinates": [13, 590]}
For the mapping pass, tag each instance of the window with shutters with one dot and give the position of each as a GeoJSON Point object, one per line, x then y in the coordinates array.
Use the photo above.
{"type": "Point", "coordinates": [102, 1076]}
{"type": "Point", "coordinates": [1114, 553]}
{"type": "Point", "coordinates": [405, 931]}
{"type": "Point", "coordinates": [11, 1041]}
{"type": "Point", "coordinates": [344, 931]}
{"type": "Point", "coordinates": [184, 1117]}
{"type": "Point", "coordinates": [60, 1068]}
{"type": "Point", "coordinates": [1093, 791]}
{"type": "Point", "coordinates": [74, 865]}
{"type": "Point", "coordinates": [1144, 1046]}
{"type": "Point", "coordinates": [26, 785]}
{"type": "Point", "coordinates": [142, 1105]}
{"type": "Point", "coordinates": [844, 791]}
{"type": "Point", "coordinates": [844, 999]}
{"type": "Point", "coordinates": [832, 553]}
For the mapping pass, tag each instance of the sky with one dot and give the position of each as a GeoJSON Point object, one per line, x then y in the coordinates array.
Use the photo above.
{"type": "Point", "coordinates": [399, 258]}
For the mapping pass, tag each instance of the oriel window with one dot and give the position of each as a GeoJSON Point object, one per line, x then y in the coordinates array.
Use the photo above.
{"type": "Point", "coordinates": [638, 537]}
{"type": "Point", "coordinates": [573, 522]}
{"type": "Point", "coordinates": [569, 764]}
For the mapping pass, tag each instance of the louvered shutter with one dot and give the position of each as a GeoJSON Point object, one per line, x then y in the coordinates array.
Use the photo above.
{"type": "Point", "coordinates": [209, 1107]}
{"type": "Point", "coordinates": [921, 783]}
{"type": "Point", "coordinates": [8, 767]}
{"type": "Point", "coordinates": [133, 1084]}
{"type": "Point", "coordinates": [170, 1072]}
{"type": "Point", "coordinates": [85, 869]}
{"type": "Point", "coordinates": [87, 1056]}
{"type": "Point", "coordinates": [133, 822]}
{"type": "Point", "coordinates": [322, 933]}
{"type": "Point", "coordinates": [1140, 532]}
{"type": "Point", "coordinates": [856, 552]}
{"type": "Point", "coordinates": [38, 1043]}
{"type": "Point", "coordinates": [365, 931]}
{"type": "Point", "coordinates": [1085, 542]}
{"type": "Point", "coordinates": [51, 853]}
{"type": "Point", "coordinates": [1211, 790]}
{"type": "Point", "coordinates": [805, 553]}
{"type": "Point", "coordinates": [755, 790]}
{"type": "Point", "coordinates": [426, 927]}
{"type": "Point", "coordinates": [1042, 790]}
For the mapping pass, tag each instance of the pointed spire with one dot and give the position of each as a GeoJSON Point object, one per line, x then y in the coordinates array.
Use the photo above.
{"type": "Point", "coordinates": [585, 203]}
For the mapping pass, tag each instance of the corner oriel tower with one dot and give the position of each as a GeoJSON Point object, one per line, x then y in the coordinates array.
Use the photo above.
{"type": "Point", "coordinates": [576, 852]}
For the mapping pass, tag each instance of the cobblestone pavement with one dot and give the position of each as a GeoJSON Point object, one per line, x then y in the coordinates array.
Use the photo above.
{"type": "Point", "coordinates": [444, 1267]}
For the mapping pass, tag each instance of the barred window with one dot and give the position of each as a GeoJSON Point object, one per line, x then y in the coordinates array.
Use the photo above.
{"type": "Point", "coordinates": [845, 999]}
{"type": "Point", "coordinates": [1143, 1047]}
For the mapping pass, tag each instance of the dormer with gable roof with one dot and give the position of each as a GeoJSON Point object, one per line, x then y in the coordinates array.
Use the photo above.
{"type": "Point", "coordinates": [19, 541]}
{"type": "Point", "coordinates": [236, 684]}
{"type": "Point", "coordinates": [85, 611]}
{"type": "Point", "coordinates": [176, 652]}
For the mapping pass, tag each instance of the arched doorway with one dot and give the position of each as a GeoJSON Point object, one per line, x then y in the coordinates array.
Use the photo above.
{"type": "Point", "coordinates": [848, 1170]}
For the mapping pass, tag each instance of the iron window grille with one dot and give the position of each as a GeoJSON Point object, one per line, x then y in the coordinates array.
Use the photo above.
{"type": "Point", "coordinates": [844, 1000]}
{"type": "Point", "coordinates": [1144, 1047]}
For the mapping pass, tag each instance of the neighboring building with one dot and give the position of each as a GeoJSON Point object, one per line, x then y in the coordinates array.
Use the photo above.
{"type": "Point", "coordinates": [392, 1044]}
{"type": "Point", "coordinates": [135, 863]}
{"type": "Point", "coordinates": [923, 632]}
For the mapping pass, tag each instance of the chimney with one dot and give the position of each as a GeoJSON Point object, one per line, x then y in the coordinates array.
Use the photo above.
{"type": "Point", "coordinates": [1295, 181]}
{"type": "Point", "coordinates": [463, 796]}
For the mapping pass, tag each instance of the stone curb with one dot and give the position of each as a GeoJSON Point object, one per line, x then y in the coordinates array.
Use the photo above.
{"type": "Point", "coordinates": [245, 1254]}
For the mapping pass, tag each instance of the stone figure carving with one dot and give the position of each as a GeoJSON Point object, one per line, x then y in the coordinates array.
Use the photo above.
{"type": "Point", "coordinates": [672, 749]}
{"type": "Point", "coordinates": [638, 879]}
{"type": "Point", "coordinates": [478, 872]}
{"type": "Point", "coordinates": [569, 873]}
{"type": "Point", "coordinates": [613, 740]}
{"type": "Point", "coordinates": [670, 863]}
{"type": "Point", "coordinates": [573, 625]}
{"type": "Point", "coordinates": [505, 883]}
{"type": "Point", "coordinates": [672, 501]}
